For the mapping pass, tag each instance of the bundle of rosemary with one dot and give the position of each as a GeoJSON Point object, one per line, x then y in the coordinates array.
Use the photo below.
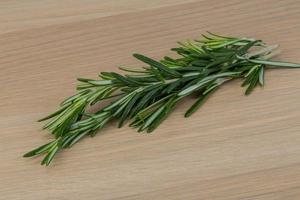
{"type": "Point", "coordinates": [148, 95]}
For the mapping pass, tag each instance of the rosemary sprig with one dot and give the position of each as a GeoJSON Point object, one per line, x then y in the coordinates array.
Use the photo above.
{"type": "Point", "coordinates": [148, 95]}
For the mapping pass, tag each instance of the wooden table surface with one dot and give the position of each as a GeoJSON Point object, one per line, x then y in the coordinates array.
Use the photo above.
{"type": "Point", "coordinates": [235, 147]}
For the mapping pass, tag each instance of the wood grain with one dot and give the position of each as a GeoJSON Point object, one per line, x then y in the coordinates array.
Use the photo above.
{"type": "Point", "coordinates": [235, 147]}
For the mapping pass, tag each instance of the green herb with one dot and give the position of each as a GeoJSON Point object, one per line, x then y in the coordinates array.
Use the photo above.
{"type": "Point", "coordinates": [148, 95]}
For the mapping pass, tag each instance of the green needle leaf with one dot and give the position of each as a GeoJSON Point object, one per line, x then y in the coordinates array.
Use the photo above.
{"type": "Point", "coordinates": [262, 76]}
{"type": "Point", "coordinates": [41, 149]}
{"type": "Point", "coordinates": [201, 100]}
{"type": "Point", "coordinates": [156, 64]}
{"type": "Point", "coordinates": [275, 63]}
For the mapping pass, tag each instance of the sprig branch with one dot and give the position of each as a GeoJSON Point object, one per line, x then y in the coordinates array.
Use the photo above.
{"type": "Point", "coordinates": [148, 95]}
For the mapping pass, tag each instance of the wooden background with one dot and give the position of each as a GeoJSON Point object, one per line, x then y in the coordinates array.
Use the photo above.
{"type": "Point", "coordinates": [235, 147]}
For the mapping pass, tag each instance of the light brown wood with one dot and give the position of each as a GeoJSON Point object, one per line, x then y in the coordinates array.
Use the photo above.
{"type": "Point", "coordinates": [235, 147]}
